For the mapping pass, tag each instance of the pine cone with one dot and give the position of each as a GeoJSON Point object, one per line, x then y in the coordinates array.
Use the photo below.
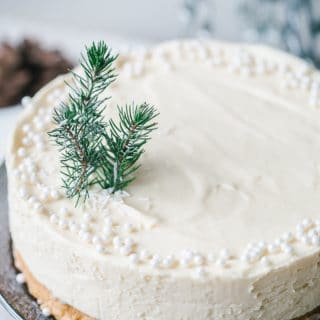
{"type": "Point", "coordinates": [26, 68]}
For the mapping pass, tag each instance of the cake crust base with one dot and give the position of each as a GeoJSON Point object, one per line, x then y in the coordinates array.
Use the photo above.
{"type": "Point", "coordinates": [58, 309]}
{"type": "Point", "coordinates": [63, 311]}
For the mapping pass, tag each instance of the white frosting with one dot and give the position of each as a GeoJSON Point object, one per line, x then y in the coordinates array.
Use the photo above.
{"type": "Point", "coordinates": [222, 219]}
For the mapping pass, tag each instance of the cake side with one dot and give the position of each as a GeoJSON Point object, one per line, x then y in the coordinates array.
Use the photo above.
{"type": "Point", "coordinates": [66, 312]}
{"type": "Point", "coordinates": [136, 266]}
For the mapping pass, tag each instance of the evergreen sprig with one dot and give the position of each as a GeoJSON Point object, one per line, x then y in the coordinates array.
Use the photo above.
{"type": "Point", "coordinates": [95, 151]}
{"type": "Point", "coordinates": [125, 142]}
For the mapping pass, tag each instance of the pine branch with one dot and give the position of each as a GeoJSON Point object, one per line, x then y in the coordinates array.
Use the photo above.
{"type": "Point", "coordinates": [95, 151]}
{"type": "Point", "coordinates": [79, 121]}
{"type": "Point", "coordinates": [124, 145]}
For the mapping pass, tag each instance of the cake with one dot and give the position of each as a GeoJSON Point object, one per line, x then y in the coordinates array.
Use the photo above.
{"type": "Point", "coordinates": [223, 219]}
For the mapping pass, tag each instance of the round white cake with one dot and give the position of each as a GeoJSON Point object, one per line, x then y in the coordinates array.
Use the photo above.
{"type": "Point", "coordinates": [223, 220]}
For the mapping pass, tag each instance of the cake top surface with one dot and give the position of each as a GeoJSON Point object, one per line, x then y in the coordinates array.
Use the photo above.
{"type": "Point", "coordinates": [229, 183]}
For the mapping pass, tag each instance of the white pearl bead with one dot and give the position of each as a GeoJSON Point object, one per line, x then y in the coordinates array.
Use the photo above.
{"type": "Point", "coordinates": [305, 239]}
{"type": "Point", "coordinates": [144, 254]}
{"type": "Point", "coordinates": [187, 254]}
{"type": "Point", "coordinates": [46, 312]}
{"type": "Point", "coordinates": [84, 226]}
{"type": "Point", "coordinates": [26, 101]}
{"type": "Point", "coordinates": [87, 217]}
{"type": "Point", "coordinates": [47, 119]}
{"type": "Point", "coordinates": [125, 250]}
{"type": "Point", "coordinates": [22, 152]}
{"type": "Point", "coordinates": [106, 236]}
{"type": "Point", "coordinates": [184, 262]}
{"type": "Point", "coordinates": [155, 261]}
{"type": "Point", "coordinates": [198, 260]}
{"type": "Point", "coordinates": [41, 146]}
{"type": "Point", "coordinates": [134, 258]}
{"type": "Point", "coordinates": [73, 227]}
{"type": "Point", "coordinates": [300, 227]}
{"type": "Point", "coordinates": [168, 261]}
{"type": "Point", "coordinates": [128, 242]}
{"type": "Point", "coordinates": [128, 227]}
{"type": "Point", "coordinates": [54, 219]}
{"type": "Point", "coordinates": [23, 193]}
{"type": "Point", "coordinates": [32, 178]}
{"type": "Point", "coordinates": [63, 212]}
{"type": "Point", "coordinates": [107, 230]}
{"type": "Point", "coordinates": [277, 242]}
{"type": "Point", "coordinates": [315, 240]}
{"type": "Point", "coordinates": [108, 222]}
{"type": "Point", "coordinates": [225, 254]}
{"type": "Point", "coordinates": [287, 249]}
{"type": "Point", "coordinates": [245, 258]}
{"type": "Point", "coordinates": [307, 223]}
{"type": "Point", "coordinates": [85, 236]}
{"type": "Point", "coordinates": [44, 195]}
{"type": "Point", "coordinates": [221, 263]}
{"type": "Point", "coordinates": [262, 245]}
{"type": "Point", "coordinates": [37, 138]}
{"type": "Point", "coordinates": [287, 237]}
{"type": "Point", "coordinates": [272, 248]}
{"type": "Point", "coordinates": [32, 200]}
{"type": "Point", "coordinates": [250, 246]}
{"type": "Point", "coordinates": [38, 207]}
{"type": "Point", "coordinates": [16, 173]}
{"type": "Point", "coordinates": [99, 248]}
{"type": "Point", "coordinates": [26, 128]}
{"type": "Point", "coordinates": [26, 141]}
{"type": "Point", "coordinates": [283, 69]}
{"type": "Point", "coordinates": [63, 224]}
{"type": "Point", "coordinates": [117, 243]}
{"type": "Point", "coordinates": [312, 233]}
{"type": "Point", "coordinates": [20, 278]}
{"type": "Point", "coordinates": [300, 234]}
{"type": "Point", "coordinates": [54, 194]}
{"type": "Point", "coordinates": [96, 240]}
{"type": "Point", "coordinates": [265, 261]}
{"type": "Point", "coordinates": [254, 256]}
{"type": "Point", "coordinates": [39, 124]}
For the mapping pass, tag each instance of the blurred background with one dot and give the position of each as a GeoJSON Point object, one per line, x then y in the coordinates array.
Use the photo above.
{"type": "Point", "coordinates": [40, 39]}
{"type": "Point", "coordinates": [293, 25]}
